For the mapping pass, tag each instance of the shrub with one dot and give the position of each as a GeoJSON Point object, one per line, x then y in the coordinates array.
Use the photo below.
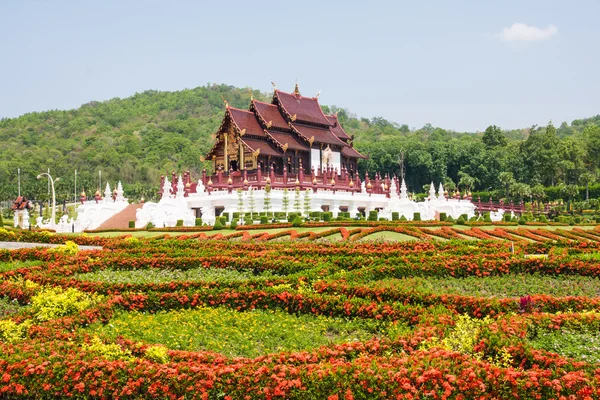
{"type": "Point", "coordinates": [443, 216]}
{"type": "Point", "coordinates": [151, 225]}
{"type": "Point", "coordinates": [465, 217]}
{"type": "Point", "coordinates": [522, 221]}
{"type": "Point", "coordinates": [158, 354]}
{"type": "Point", "coordinates": [598, 220]}
{"type": "Point", "coordinates": [461, 220]}
{"type": "Point", "coordinates": [383, 219]}
{"type": "Point", "coordinates": [327, 216]}
{"type": "Point", "coordinates": [449, 219]}
{"type": "Point", "coordinates": [70, 248]}
{"type": "Point", "coordinates": [131, 224]}
{"type": "Point", "coordinates": [233, 224]}
{"type": "Point", "coordinates": [57, 302]}
{"type": "Point", "coordinates": [198, 222]}
{"type": "Point", "coordinates": [577, 220]}
{"type": "Point", "coordinates": [395, 216]}
{"type": "Point", "coordinates": [12, 332]}
{"type": "Point", "coordinates": [218, 225]}
{"type": "Point", "coordinates": [225, 215]}
{"type": "Point", "coordinates": [417, 216]}
{"type": "Point", "coordinates": [179, 222]}
{"type": "Point", "coordinates": [373, 215]}
{"type": "Point", "coordinates": [236, 215]}
{"type": "Point", "coordinates": [223, 221]}
{"type": "Point", "coordinates": [292, 216]}
{"type": "Point", "coordinates": [571, 221]}
{"type": "Point", "coordinates": [248, 221]}
{"type": "Point", "coordinates": [111, 351]}
{"type": "Point", "coordinates": [297, 222]}
{"type": "Point", "coordinates": [403, 218]}
{"type": "Point", "coordinates": [487, 217]}
{"type": "Point", "coordinates": [507, 217]}
{"type": "Point", "coordinates": [1, 221]}
{"type": "Point", "coordinates": [264, 219]}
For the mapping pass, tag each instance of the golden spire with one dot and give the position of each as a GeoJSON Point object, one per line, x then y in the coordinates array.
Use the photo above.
{"type": "Point", "coordinates": [297, 90]}
{"type": "Point", "coordinates": [251, 95]}
{"type": "Point", "coordinates": [274, 87]}
{"type": "Point", "coordinates": [225, 101]}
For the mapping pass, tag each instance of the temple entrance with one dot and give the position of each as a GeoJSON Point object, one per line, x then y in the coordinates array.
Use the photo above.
{"type": "Point", "coordinates": [234, 165]}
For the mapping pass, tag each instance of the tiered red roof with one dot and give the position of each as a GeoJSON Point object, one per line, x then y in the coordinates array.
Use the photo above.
{"type": "Point", "coordinates": [293, 120]}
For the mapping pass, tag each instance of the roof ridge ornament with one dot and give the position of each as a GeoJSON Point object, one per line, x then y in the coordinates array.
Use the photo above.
{"type": "Point", "coordinates": [273, 83]}
{"type": "Point", "coordinates": [284, 147]}
{"type": "Point", "coordinates": [225, 102]}
{"type": "Point", "coordinates": [294, 117]}
{"type": "Point", "coordinates": [318, 93]}
{"type": "Point", "coordinates": [297, 90]}
{"type": "Point", "coordinates": [243, 132]}
{"type": "Point", "coordinates": [269, 124]}
{"type": "Point", "coordinates": [251, 95]}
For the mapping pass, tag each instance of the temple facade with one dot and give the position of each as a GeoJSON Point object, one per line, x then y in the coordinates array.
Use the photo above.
{"type": "Point", "coordinates": [290, 134]}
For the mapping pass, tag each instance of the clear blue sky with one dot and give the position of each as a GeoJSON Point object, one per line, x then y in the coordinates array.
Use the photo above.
{"type": "Point", "coordinates": [461, 65]}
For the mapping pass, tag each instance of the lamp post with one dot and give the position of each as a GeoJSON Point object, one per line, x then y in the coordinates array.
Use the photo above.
{"type": "Point", "coordinates": [53, 221]}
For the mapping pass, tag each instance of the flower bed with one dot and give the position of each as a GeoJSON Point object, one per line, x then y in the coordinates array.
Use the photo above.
{"type": "Point", "coordinates": [170, 317]}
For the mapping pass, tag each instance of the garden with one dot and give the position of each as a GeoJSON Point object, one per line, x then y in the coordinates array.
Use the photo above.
{"type": "Point", "coordinates": [452, 312]}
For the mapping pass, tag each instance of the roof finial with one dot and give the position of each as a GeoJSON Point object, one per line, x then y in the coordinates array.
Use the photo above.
{"type": "Point", "coordinates": [273, 83]}
{"type": "Point", "coordinates": [296, 90]}
{"type": "Point", "coordinates": [225, 101]}
{"type": "Point", "coordinates": [318, 93]}
{"type": "Point", "coordinates": [251, 95]}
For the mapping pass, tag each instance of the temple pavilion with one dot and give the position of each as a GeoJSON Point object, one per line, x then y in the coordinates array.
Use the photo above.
{"type": "Point", "coordinates": [291, 134]}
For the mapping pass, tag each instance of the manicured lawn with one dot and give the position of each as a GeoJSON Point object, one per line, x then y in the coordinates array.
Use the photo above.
{"type": "Point", "coordinates": [235, 333]}
{"type": "Point", "coordinates": [153, 275]}
{"type": "Point", "coordinates": [389, 236]}
{"type": "Point", "coordinates": [514, 285]}
{"type": "Point", "coordinates": [8, 307]}
{"type": "Point", "coordinates": [11, 265]}
{"type": "Point", "coordinates": [581, 345]}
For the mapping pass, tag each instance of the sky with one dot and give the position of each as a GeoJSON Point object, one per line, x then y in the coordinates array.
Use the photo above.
{"type": "Point", "coordinates": [460, 65]}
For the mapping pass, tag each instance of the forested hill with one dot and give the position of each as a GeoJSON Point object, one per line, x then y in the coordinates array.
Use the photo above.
{"type": "Point", "coordinates": [141, 137]}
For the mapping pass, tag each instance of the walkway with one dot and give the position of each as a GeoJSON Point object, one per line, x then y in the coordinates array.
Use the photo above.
{"type": "Point", "coordinates": [24, 245]}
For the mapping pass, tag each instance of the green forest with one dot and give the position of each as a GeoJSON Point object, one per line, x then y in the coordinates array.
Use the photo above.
{"type": "Point", "coordinates": [141, 137]}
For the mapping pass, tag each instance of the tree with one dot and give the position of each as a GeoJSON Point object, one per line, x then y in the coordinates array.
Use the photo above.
{"type": "Point", "coordinates": [494, 137]}
{"type": "Point", "coordinates": [507, 180]}
{"type": "Point", "coordinates": [267, 200]}
{"type": "Point", "coordinates": [307, 203]}
{"type": "Point", "coordinates": [251, 201]}
{"type": "Point", "coordinates": [586, 178]}
{"type": "Point", "coordinates": [466, 180]}
{"type": "Point", "coordinates": [297, 206]}
{"type": "Point", "coordinates": [520, 190]}
{"type": "Point", "coordinates": [285, 202]}
{"type": "Point", "coordinates": [240, 194]}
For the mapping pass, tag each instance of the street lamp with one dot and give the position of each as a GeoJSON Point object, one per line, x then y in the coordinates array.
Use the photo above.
{"type": "Point", "coordinates": [52, 222]}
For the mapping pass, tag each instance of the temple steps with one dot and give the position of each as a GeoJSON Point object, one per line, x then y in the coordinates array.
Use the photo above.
{"type": "Point", "coordinates": [121, 220]}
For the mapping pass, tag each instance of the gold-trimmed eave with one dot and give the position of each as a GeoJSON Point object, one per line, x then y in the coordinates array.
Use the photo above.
{"type": "Point", "coordinates": [301, 136]}
{"type": "Point", "coordinates": [280, 106]}
{"type": "Point", "coordinates": [275, 141]}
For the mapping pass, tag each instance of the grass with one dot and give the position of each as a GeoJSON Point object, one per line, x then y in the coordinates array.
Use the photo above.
{"type": "Point", "coordinates": [8, 307]}
{"type": "Point", "coordinates": [11, 265]}
{"type": "Point", "coordinates": [389, 236]}
{"type": "Point", "coordinates": [239, 334]}
{"type": "Point", "coordinates": [580, 345]}
{"type": "Point", "coordinates": [503, 286]}
{"type": "Point", "coordinates": [164, 275]}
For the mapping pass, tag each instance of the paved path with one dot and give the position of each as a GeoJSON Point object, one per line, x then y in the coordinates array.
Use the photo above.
{"type": "Point", "coordinates": [25, 245]}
